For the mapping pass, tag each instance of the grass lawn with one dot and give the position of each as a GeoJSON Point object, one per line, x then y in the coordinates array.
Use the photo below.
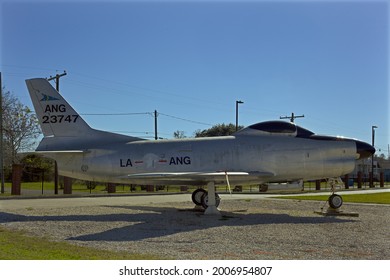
{"type": "Point", "coordinates": [48, 188]}
{"type": "Point", "coordinates": [17, 245]}
{"type": "Point", "coordinates": [379, 198]}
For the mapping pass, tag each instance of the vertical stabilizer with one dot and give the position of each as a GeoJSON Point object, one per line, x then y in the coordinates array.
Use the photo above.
{"type": "Point", "coordinates": [55, 115]}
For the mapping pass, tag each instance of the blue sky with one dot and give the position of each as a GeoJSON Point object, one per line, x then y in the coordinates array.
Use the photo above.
{"type": "Point", "coordinates": [191, 61]}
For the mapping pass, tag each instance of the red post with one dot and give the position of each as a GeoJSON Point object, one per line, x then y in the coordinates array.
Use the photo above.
{"type": "Point", "coordinates": [111, 188]}
{"type": "Point", "coordinates": [17, 170]}
{"type": "Point", "coordinates": [318, 185]}
{"type": "Point", "coordinates": [346, 181]}
{"type": "Point", "coordinates": [67, 185]}
{"type": "Point", "coordinates": [382, 179]}
{"type": "Point", "coordinates": [371, 179]}
{"type": "Point", "coordinates": [359, 179]}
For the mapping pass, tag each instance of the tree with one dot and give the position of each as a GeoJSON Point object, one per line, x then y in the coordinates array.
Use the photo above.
{"type": "Point", "coordinates": [20, 128]}
{"type": "Point", "coordinates": [179, 134]}
{"type": "Point", "coordinates": [218, 130]}
{"type": "Point", "coordinates": [35, 166]}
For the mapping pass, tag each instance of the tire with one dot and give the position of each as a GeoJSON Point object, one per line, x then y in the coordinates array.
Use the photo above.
{"type": "Point", "coordinates": [335, 201]}
{"type": "Point", "coordinates": [205, 200]}
{"type": "Point", "coordinates": [197, 196]}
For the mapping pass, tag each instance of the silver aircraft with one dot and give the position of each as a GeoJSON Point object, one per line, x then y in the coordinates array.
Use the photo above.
{"type": "Point", "coordinates": [272, 151]}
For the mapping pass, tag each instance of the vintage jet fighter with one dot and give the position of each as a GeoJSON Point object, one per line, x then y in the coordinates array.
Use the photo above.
{"type": "Point", "coordinates": [272, 151]}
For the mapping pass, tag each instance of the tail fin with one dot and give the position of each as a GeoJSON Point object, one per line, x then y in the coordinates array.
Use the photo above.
{"type": "Point", "coordinates": [55, 115]}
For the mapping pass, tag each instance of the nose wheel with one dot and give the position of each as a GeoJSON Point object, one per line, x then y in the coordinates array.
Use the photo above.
{"type": "Point", "coordinates": [335, 201]}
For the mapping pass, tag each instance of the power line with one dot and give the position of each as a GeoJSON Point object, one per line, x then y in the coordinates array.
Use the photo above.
{"type": "Point", "coordinates": [28, 67]}
{"type": "Point", "coordinates": [186, 120]}
{"type": "Point", "coordinates": [115, 114]}
{"type": "Point", "coordinates": [153, 114]}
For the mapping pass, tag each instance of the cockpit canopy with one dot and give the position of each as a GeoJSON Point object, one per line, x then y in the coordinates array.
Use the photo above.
{"type": "Point", "coordinates": [276, 128]}
{"type": "Point", "coordinates": [281, 128]}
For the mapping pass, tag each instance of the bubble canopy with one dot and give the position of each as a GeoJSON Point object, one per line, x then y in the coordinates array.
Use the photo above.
{"type": "Point", "coordinates": [290, 129]}
{"type": "Point", "coordinates": [278, 127]}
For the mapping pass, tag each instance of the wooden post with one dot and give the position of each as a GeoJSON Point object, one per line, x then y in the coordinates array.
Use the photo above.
{"type": "Point", "coordinates": [16, 179]}
{"type": "Point", "coordinates": [371, 177]}
{"type": "Point", "coordinates": [382, 179]}
{"type": "Point", "coordinates": [359, 179]}
{"type": "Point", "coordinates": [111, 188]}
{"type": "Point", "coordinates": [67, 185]}
{"type": "Point", "coordinates": [346, 181]}
{"type": "Point", "coordinates": [318, 185]}
{"type": "Point", "coordinates": [55, 177]}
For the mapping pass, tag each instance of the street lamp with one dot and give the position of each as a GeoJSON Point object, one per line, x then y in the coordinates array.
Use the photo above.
{"type": "Point", "coordinates": [372, 157]}
{"type": "Point", "coordinates": [237, 102]}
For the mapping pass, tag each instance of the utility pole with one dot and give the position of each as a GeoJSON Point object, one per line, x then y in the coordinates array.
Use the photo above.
{"type": "Point", "coordinates": [57, 78]}
{"type": "Point", "coordinates": [1, 137]}
{"type": "Point", "coordinates": [292, 117]}
{"type": "Point", "coordinates": [155, 125]}
{"type": "Point", "coordinates": [372, 157]}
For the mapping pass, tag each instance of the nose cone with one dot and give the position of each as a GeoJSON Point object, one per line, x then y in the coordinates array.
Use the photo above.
{"type": "Point", "coordinates": [364, 150]}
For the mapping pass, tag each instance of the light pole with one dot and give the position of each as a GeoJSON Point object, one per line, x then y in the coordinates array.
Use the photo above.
{"type": "Point", "coordinates": [372, 157]}
{"type": "Point", "coordinates": [237, 102]}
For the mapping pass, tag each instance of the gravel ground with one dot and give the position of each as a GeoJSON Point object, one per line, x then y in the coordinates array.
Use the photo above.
{"type": "Point", "coordinates": [247, 229]}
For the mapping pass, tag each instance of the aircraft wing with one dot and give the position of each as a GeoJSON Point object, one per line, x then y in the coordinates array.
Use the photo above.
{"type": "Point", "coordinates": [48, 153]}
{"type": "Point", "coordinates": [220, 177]}
{"type": "Point", "coordinates": [61, 152]}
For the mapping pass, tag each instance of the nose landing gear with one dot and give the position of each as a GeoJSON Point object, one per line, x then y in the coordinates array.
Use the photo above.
{"type": "Point", "coordinates": [335, 201]}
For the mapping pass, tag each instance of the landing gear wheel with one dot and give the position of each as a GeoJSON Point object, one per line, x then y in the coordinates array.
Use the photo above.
{"type": "Point", "coordinates": [197, 196]}
{"type": "Point", "coordinates": [335, 201]}
{"type": "Point", "coordinates": [205, 200]}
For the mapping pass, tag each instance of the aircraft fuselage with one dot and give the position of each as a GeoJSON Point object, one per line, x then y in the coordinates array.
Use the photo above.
{"type": "Point", "coordinates": [272, 151]}
{"type": "Point", "coordinates": [287, 158]}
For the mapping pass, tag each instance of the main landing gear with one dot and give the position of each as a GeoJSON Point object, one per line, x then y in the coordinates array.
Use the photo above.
{"type": "Point", "coordinates": [209, 200]}
{"type": "Point", "coordinates": [201, 198]}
